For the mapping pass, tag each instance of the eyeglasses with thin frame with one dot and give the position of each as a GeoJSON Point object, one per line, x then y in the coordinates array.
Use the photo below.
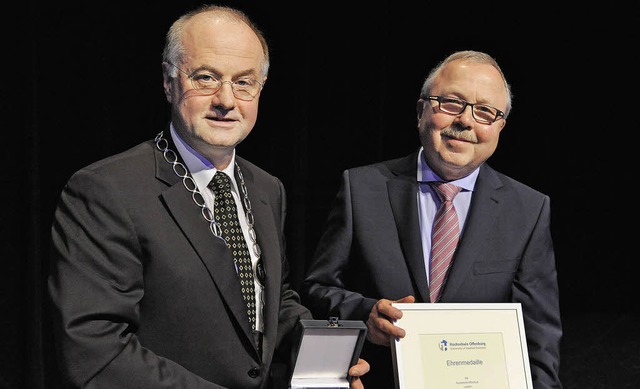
{"type": "Point", "coordinates": [208, 84]}
{"type": "Point", "coordinates": [482, 113]}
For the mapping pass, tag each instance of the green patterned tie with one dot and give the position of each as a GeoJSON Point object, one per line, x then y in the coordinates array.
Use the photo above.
{"type": "Point", "coordinates": [226, 216]}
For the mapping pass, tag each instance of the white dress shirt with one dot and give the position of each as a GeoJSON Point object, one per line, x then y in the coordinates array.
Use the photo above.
{"type": "Point", "coordinates": [202, 172]}
{"type": "Point", "coordinates": [429, 201]}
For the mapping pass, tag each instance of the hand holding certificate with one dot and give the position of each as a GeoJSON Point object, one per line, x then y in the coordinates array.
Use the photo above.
{"type": "Point", "coordinates": [471, 346]}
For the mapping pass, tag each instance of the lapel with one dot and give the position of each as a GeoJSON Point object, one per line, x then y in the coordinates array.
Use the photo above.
{"type": "Point", "coordinates": [212, 251]}
{"type": "Point", "coordinates": [483, 211]}
{"type": "Point", "coordinates": [402, 189]}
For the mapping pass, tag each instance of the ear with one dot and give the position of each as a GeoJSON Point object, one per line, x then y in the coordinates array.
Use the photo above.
{"type": "Point", "coordinates": [420, 108]}
{"type": "Point", "coordinates": [503, 123]}
{"type": "Point", "coordinates": [166, 81]}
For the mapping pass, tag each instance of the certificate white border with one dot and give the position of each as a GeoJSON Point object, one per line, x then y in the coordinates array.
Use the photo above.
{"type": "Point", "coordinates": [458, 318]}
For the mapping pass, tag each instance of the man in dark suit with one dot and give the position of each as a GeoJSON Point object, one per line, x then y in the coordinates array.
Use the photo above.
{"type": "Point", "coordinates": [376, 247]}
{"type": "Point", "coordinates": [144, 288]}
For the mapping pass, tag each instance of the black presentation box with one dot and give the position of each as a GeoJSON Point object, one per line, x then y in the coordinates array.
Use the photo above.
{"type": "Point", "coordinates": [326, 350]}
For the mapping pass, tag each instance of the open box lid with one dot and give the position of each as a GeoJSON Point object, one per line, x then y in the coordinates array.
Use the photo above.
{"type": "Point", "coordinates": [325, 351]}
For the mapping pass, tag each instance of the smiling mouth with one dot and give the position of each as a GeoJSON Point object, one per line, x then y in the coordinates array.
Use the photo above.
{"type": "Point", "coordinates": [221, 120]}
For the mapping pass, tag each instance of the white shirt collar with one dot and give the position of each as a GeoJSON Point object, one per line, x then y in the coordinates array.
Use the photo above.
{"type": "Point", "coordinates": [201, 169]}
{"type": "Point", "coordinates": [425, 174]}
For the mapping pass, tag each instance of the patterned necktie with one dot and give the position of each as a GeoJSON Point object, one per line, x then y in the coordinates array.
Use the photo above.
{"type": "Point", "coordinates": [444, 238]}
{"type": "Point", "coordinates": [226, 216]}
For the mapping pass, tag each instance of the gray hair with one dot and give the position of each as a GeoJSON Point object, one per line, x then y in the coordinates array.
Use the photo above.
{"type": "Point", "coordinates": [173, 49]}
{"type": "Point", "coordinates": [469, 56]}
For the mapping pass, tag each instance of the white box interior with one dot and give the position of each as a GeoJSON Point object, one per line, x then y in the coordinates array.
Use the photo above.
{"type": "Point", "coordinates": [324, 358]}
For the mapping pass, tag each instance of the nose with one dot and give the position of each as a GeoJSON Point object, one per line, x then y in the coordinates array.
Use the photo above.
{"type": "Point", "coordinates": [224, 96]}
{"type": "Point", "coordinates": [466, 116]}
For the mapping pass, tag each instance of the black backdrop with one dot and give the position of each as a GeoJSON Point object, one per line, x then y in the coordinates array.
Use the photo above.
{"type": "Point", "coordinates": [84, 81]}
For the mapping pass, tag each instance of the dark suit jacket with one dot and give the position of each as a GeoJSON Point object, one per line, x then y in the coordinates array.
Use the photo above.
{"type": "Point", "coordinates": [144, 296]}
{"type": "Point", "coordinates": [371, 249]}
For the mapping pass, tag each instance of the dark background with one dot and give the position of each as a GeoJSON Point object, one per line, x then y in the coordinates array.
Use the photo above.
{"type": "Point", "coordinates": [83, 81]}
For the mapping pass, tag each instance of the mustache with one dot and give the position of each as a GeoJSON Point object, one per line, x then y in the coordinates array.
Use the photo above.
{"type": "Point", "coordinates": [456, 132]}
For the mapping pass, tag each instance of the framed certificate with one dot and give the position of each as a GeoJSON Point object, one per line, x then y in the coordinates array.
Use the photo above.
{"type": "Point", "coordinates": [461, 346]}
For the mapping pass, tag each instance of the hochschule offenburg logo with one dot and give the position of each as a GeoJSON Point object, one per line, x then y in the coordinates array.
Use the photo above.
{"type": "Point", "coordinates": [446, 345]}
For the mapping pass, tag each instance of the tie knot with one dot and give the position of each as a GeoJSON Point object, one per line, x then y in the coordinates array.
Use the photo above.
{"type": "Point", "coordinates": [220, 183]}
{"type": "Point", "coordinates": [445, 190]}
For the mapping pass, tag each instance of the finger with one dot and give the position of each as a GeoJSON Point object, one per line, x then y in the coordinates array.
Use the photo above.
{"type": "Point", "coordinates": [380, 336]}
{"type": "Point", "coordinates": [389, 312]}
{"type": "Point", "coordinates": [359, 369]}
{"type": "Point", "coordinates": [406, 299]}
{"type": "Point", "coordinates": [356, 372]}
{"type": "Point", "coordinates": [356, 383]}
{"type": "Point", "coordinates": [393, 313]}
{"type": "Point", "coordinates": [396, 331]}
{"type": "Point", "coordinates": [381, 322]}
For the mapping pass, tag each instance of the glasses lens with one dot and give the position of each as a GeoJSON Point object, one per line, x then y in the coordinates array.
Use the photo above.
{"type": "Point", "coordinates": [454, 106]}
{"type": "Point", "coordinates": [485, 113]}
{"type": "Point", "coordinates": [205, 82]}
{"type": "Point", "coordinates": [246, 88]}
{"type": "Point", "coordinates": [243, 89]}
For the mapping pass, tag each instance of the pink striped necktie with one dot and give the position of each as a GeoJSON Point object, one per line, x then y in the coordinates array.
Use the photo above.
{"type": "Point", "coordinates": [444, 238]}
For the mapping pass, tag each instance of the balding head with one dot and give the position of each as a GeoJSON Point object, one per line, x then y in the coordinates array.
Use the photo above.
{"type": "Point", "coordinates": [174, 48]}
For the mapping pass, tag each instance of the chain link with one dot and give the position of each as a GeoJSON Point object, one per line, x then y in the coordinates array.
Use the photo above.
{"type": "Point", "coordinates": [190, 185]}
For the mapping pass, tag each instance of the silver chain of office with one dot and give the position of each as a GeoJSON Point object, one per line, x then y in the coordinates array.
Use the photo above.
{"type": "Point", "coordinates": [187, 181]}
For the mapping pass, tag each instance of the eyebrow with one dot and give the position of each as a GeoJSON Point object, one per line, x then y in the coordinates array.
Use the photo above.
{"type": "Point", "coordinates": [244, 73]}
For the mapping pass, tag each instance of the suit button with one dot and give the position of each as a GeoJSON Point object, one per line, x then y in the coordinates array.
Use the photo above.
{"type": "Point", "coordinates": [254, 372]}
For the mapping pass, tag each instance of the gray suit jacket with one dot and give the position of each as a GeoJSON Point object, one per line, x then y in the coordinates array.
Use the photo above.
{"type": "Point", "coordinates": [144, 296]}
{"type": "Point", "coordinates": [371, 249]}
